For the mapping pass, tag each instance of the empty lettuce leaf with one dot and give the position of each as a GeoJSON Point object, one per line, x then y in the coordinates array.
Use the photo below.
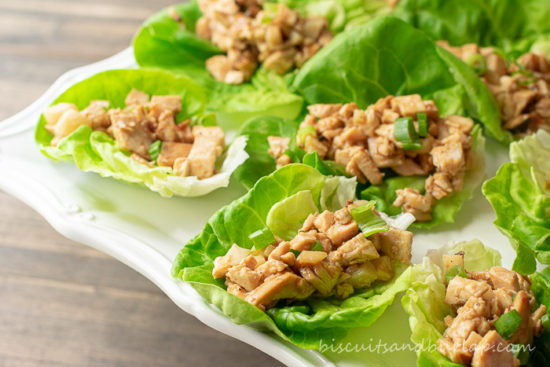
{"type": "Point", "coordinates": [520, 196]}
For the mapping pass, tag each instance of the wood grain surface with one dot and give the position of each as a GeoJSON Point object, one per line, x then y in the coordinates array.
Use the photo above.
{"type": "Point", "coordinates": [62, 303]}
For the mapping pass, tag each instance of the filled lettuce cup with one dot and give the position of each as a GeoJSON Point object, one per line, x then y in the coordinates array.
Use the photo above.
{"type": "Point", "coordinates": [467, 310]}
{"type": "Point", "coordinates": [299, 256]}
{"type": "Point", "coordinates": [245, 52]}
{"type": "Point", "coordinates": [144, 127]}
{"type": "Point", "coordinates": [420, 151]}
{"type": "Point", "coordinates": [520, 196]}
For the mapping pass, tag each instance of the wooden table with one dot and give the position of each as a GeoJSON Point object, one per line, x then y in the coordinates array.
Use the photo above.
{"type": "Point", "coordinates": [62, 303]}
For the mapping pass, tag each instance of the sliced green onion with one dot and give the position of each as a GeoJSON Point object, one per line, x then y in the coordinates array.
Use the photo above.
{"type": "Point", "coordinates": [478, 63]}
{"type": "Point", "coordinates": [262, 238]}
{"type": "Point", "coordinates": [521, 352]}
{"type": "Point", "coordinates": [508, 323]}
{"type": "Point", "coordinates": [454, 271]}
{"type": "Point", "coordinates": [154, 149]}
{"type": "Point", "coordinates": [304, 132]}
{"type": "Point", "coordinates": [412, 146]}
{"type": "Point", "coordinates": [545, 321]}
{"type": "Point", "coordinates": [296, 252]}
{"type": "Point", "coordinates": [403, 130]}
{"type": "Point", "coordinates": [296, 154]}
{"type": "Point", "coordinates": [317, 247]}
{"type": "Point", "coordinates": [369, 222]}
{"type": "Point", "coordinates": [422, 120]}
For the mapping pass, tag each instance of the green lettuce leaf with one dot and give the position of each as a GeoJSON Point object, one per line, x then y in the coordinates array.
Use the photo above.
{"type": "Point", "coordinates": [387, 56]}
{"type": "Point", "coordinates": [95, 151]}
{"type": "Point", "coordinates": [521, 200]}
{"type": "Point", "coordinates": [445, 209]}
{"type": "Point", "coordinates": [424, 301]}
{"type": "Point", "coordinates": [164, 43]}
{"type": "Point", "coordinates": [509, 24]}
{"type": "Point", "coordinates": [307, 323]}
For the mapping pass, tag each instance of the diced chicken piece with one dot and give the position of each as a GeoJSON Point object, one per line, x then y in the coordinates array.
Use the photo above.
{"type": "Point", "coordinates": [324, 221]}
{"type": "Point", "coordinates": [411, 201]}
{"type": "Point", "coordinates": [460, 290]}
{"type": "Point", "coordinates": [384, 268]}
{"type": "Point", "coordinates": [453, 260]}
{"type": "Point", "coordinates": [472, 317]}
{"type": "Point", "coordinates": [385, 153]}
{"type": "Point", "coordinates": [277, 146]}
{"type": "Point", "coordinates": [329, 123]}
{"type": "Point", "coordinates": [168, 131]}
{"type": "Point", "coordinates": [524, 333]}
{"type": "Point", "coordinates": [340, 233]}
{"type": "Point", "coordinates": [504, 298]}
{"type": "Point", "coordinates": [163, 104]}
{"type": "Point", "coordinates": [244, 276]}
{"type": "Point", "coordinates": [458, 124]}
{"type": "Point", "coordinates": [408, 105]}
{"type": "Point", "coordinates": [280, 250]}
{"type": "Point", "coordinates": [362, 161]}
{"type": "Point", "coordinates": [410, 168]}
{"type": "Point", "coordinates": [439, 185]}
{"type": "Point", "coordinates": [272, 267]}
{"type": "Point", "coordinates": [449, 157]}
{"type": "Point", "coordinates": [221, 68]}
{"type": "Point", "coordinates": [310, 258]}
{"type": "Point", "coordinates": [98, 114]}
{"type": "Point", "coordinates": [538, 328]}
{"type": "Point", "coordinates": [233, 257]}
{"type": "Point", "coordinates": [69, 121]}
{"type": "Point", "coordinates": [504, 278]}
{"type": "Point", "coordinates": [323, 110]}
{"type": "Point", "coordinates": [492, 352]}
{"type": "Point", "coordinates": [303, 241]}
{"type": "Point", "coordinates": [281, 286]}
{"type": "Point", "coordinates": [53, 113]}
{"type": "Point", "coordinates": [312, 144]}
{"type": "Point", "coordinates": [343, 216]}
{"type": "Point", "coordinates": [323, 276]}
{"type": "Point", "coordinates": [361, 275]}
{"type": "Point", "coordinates": [136, 98]}
{"type": "Point", "coordinates": [171, 151]}
{"type": "Point", "coordinates": [209, 144]}
{"type": "Point", "coordinates": [395, 243]}
{"type": "Point", "coordinates": [357, 250]}
{"type": "Point", "coordinates": [132, 131]}
{"type": "Point", "coordinates": [455, 352]}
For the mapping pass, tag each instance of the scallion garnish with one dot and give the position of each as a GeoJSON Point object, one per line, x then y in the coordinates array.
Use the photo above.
{"type": "Point", "coordinates": [478, 63]}
{"type": "Point", "coordinates": [454, 271]}
{"type": "Point", "coordinates": [422, 120]}
{"type": "Point", "coordinates": [262, 238]}
{"type": "Point", "coordinates": [369, 222]}
{"type": "Point", "coordinates": [295, 252]}
{"type": "Point", "coordinates": [508, 323]}
{"type": "Point", "coordinates": [317, 247]}
{"type": "Point", "coordinates": [154, 149]}
{"type": "Point", "coordinates": [405, 133]}
{"type": "Point", "coordinates": [304, 132]}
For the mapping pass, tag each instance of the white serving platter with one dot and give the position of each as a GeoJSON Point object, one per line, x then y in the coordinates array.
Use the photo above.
{"type": "Point", "coordinates": [146, 231]}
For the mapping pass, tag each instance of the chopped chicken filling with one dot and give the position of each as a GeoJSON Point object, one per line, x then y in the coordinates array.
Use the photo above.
{"type": "Point", "coordinates": [249, 34]}
{"type": "Point", "coordinates": [363, 142]}
{"type": "Point", "coordinates": [521, 88]}
{"type": "Point", "coordinates": [478, 301]}
{"type": "Point", "coordinates": [330, 256]}
{"type": "Point", "coordinates": [189, 150]}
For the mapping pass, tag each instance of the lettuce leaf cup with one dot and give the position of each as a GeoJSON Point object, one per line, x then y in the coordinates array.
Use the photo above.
{"type": "Point", "coordinates": [436, 90]}
{"type": "Point", "coordinates": [520, 196]}
{"type": "Point", "coordinates": [143, 127]}
{"type": "Point", "coordinates": [270, 260]}
{"type": "Point", "coordinates": [173, 40]}
{"type": "Point", "coordinates": [509, 323]}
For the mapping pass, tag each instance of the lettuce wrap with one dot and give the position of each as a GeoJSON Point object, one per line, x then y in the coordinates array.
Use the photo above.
{"type": "Point", "coordinates": [520, 196]}
{"type": "Point", "coordinates": [438, 75]}
{"type": "Point", "coordinates": [95, 151]}
{"type": "Point", "coordinates": [164, 43]}
{"type": "Point", "coordinates": [274, 206]}
{"type": "Point", "coordinates": [424, 302]}
{"type": "Point", "coordinates": [513, 25]}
